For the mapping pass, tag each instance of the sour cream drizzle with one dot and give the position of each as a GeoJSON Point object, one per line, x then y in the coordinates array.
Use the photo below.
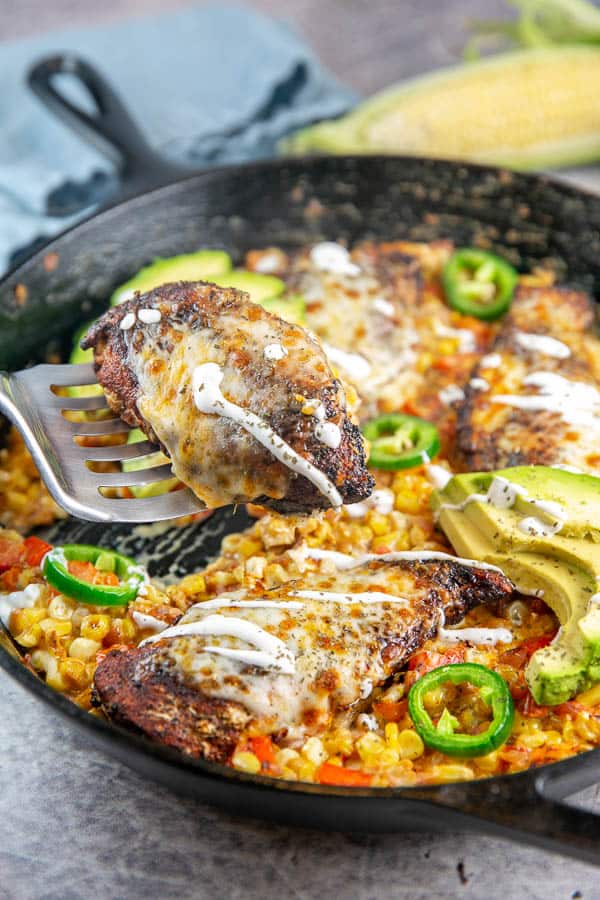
{"type": "Point", "coordinates": [355, 365]}
{"type": "Point", "coordinates": [451, 394]}
{"type": "Point", "coordinates": [18, 600]}
{"type": "Point", "coordinates": [331, 257]}
{"type": "Point", "coordinates": [328, 433]}
{"type": "Point", "coordinates": [577, 402]}
{"type": "Point", "coordinates": [209, 398]}
{"type": "Point", "coordinates": [272, 653]}
{"type": "Point", "coordinates": [382, 501]}
{"type": "Point", "coordinates": [491, 361]}
{"type": "Point", "coordinates": [542, 343]}
{"type": "Point", "coordinates": [489, 636]}
{"type": "Point", "coordinates": [151, 623]}
{"type": "Point", "coordinates": [274, 352]}
{"type": "Point", "coordinates": [363, 597]}
{"type": "Point", "coordinates": [345, 561]}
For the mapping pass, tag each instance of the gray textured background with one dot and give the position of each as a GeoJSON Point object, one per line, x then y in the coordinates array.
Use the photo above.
{"type": "Point", "coordinates": [73, 823]}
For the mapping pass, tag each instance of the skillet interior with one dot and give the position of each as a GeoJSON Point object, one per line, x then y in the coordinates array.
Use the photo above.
{"type": "Point", "coordinates": [528, 219]}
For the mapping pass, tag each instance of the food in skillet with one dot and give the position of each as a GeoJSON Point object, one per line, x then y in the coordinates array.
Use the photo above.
{"type": "Point", "coordinates": [448, 713]}
{"type": "Point", "coordinates": [293, 661]}
{"type": "Point", "coordinates": [244, 404]}
{"type": "Point", "coordinates": [534, 399]}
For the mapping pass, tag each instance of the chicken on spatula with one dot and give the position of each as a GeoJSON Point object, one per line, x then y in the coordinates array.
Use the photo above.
{"type": "Point", "coordinates": [243, 403]}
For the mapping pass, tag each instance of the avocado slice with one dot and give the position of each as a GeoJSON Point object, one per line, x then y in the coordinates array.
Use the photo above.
{"type": "Point", "coordinates": [205, 265]}
{"type": "Point", "coordinates": [82, 356]}
{"type": "Point", "coordinates": [155, 488]}
{"type": "Point", "coordinates": [483, 515]}
{"type": "Point", "coordinates": [260, 287]}
{"type": "Point", "coordinates": [291, 308]}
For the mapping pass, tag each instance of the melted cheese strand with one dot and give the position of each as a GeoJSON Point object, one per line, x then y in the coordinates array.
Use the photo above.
{"type": "Point", "coordinates": [209, 399]}
{"type": "Point", "coordinates": [272, 653]}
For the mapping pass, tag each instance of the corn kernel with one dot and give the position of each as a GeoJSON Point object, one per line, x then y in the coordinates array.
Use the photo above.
{"type": "Point", "coordinates": [74, 672]}
{"type": "Point", "coordinates": [58, 627]}
{"type": "Point", "coordinates": [288, 774]}
{"type": "Point", "coordinates": [410, 745]}
{"type": "Point", "coordinates": [314, 751]}
{"type": "Point", "coordinates": [591, 697]}
{"type": "Point", "coordinates": [45, 662]}
{"type": "Point", "coordinates": [84, 648]}
{"type": "Point", "coordinates": [453, 772]}
{"type": "Point", "coordinates": [378, 523]}
{"type": "Point", "coordinates": [96, 627]}
{"type": "Point", "coordinates": [285, 756]}
{"type": "Point", "coordinates": [61, 607]}
{"type": "Point", "coordinates": [30, 637]}
{"type": "Point", "coordinates": [193, 584]}
{"type": "Point", "coordinates": [369, 746]}
{"type": "Point", "coordinates": [23, 619]}
{"type": "Point", "coordinates": [391, 735]}
{"type": "Point", "coordinates": [533, 739]}
{"type": "Point", "coordinates": [255, 566]}
{"type": "Point", "coordinates": [339, 741]}
{"type": "Point", "coordinates": [246, 762]}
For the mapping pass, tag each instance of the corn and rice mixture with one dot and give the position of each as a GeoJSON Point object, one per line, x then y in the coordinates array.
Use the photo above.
{"type": "Point", "coordinates": [63, 640]}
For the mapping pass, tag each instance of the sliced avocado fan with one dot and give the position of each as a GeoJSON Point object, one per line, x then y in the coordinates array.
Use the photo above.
{"type": "Point", "coordinates": [205, 265]}
{"type": "Point", "coordinates": [529, 109]}
{"type": "Point", "coordinates": [541, 526]}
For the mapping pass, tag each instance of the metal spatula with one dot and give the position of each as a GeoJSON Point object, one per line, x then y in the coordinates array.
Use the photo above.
{"type": "Point", "coordinates": [67, 449]}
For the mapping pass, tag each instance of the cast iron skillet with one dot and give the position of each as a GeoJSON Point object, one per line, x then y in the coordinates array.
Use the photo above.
{"type": "Point", "coordinates": [291, 203]}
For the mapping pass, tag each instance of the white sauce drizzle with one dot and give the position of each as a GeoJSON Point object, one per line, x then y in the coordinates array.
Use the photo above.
{"type": "Point", "coordinates": [329, 434]}
{"type": "Point", "coordinates": [268, 263]}
{"type": "Point", "coordinates": [502, 494]}
{"type": "Point", "coordinates": [535, 526]}
{"type": "Point", "coordinates": [595, 599]}
{"type": "Point", "coordinates": [576, 402]}
{"type": "Point", "coordinates": [491, 361]}
{"type": "Point", "coordinates": [272, 653]}
{"type": "Point", "coordinates": [209, 399]}
{"type": "Point", "coordinates": [143, 620]}
{"type": "Point", "coordinates": [274, 352]}
{"type": "Point", "coordinates": [438, 476]}
{"type": "Point", "coordinates": [355, 365]}
{"type": "Point", "coordinates": [451, 394]}
{"type": "Point", "coordinates": [127, 322]}
{"type": "Point", "coordinates": [479, 384]}
{"type": "Point", "coordinates": [331, 257]}
{"type": "Point", "coordinates": [542, 343]}
{"type": "Point", "coordinates": [466, 339]}
{"type": "Point", "coordinates": [345, 561]}
{"type": "Point", "coordinates": [384, 307]}
{"type": "Point", "coordinates": [489, 636]}
{"type": "Point", "coordinates": [364, 720]}
{"type": "Point", "coordinates": [225, 602]}
{"type": "Point", "coordinates": [382, 501]}
{"type": "Point", "coordinates": [314, 408]}
{"type": "Point", "coordinates": [364, 597]}
{"type": "Point", "coordinates": [19, 600]}
{"type": "Point", "coordinates": [149, 316]}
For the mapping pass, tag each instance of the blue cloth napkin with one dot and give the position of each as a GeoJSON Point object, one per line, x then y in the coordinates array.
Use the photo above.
{"type": "Point", "coordinates": [206, 85]}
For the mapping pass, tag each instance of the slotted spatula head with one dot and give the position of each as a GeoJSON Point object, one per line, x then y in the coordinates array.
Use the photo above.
{"type": "Point", "coordinates": [71, 436]}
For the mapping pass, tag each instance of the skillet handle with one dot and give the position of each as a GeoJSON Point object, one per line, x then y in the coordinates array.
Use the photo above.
{"type": "Point", "coordinates": [531, 806]}
{"type": "Point", "coordinates": [110, 129]}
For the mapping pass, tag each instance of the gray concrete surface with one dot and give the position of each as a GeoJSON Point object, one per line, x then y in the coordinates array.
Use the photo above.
{"type": "Point", "coordinates": [74, 823]}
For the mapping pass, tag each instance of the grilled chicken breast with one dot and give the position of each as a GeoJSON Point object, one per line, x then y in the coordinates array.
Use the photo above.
{"type": "Point", "coordinates": [534, 400]}
{"type": "Point", "coordinates": [243, 403]}
{"type": "Point", "coordinates": [292, 661]}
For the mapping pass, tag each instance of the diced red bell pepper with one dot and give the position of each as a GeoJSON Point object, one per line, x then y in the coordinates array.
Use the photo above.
{"type": "Point", "coordinates": [327, 773]}
{"type": "Point", "coordinates": [263, 749]}
{"type": "Point", "coordinates": [35, 550]}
